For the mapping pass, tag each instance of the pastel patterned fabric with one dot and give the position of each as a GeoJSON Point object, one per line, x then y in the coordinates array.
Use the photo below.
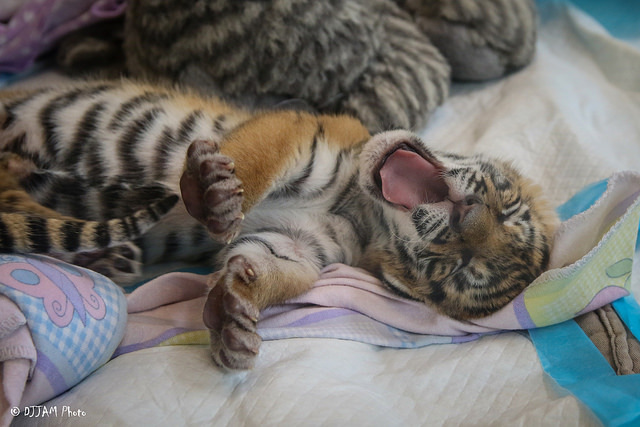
{"type": "Point", "coordinates": [76, 318]}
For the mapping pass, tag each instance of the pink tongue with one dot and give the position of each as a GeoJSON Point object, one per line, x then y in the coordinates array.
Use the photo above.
{"type": "Point", "coordinates": [406, 180]}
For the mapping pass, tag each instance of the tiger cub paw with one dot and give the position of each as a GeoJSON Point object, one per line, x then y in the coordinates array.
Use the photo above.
{"type": "Point", "coordinates": [211, 191]}
{"type": "Point", "coordinates": [122, 263]}
{"type": "Point", "coordinates": [232, 316]}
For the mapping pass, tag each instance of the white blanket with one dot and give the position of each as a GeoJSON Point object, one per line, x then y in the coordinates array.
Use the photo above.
{"type": "Point", "coordinates": [569, 119]}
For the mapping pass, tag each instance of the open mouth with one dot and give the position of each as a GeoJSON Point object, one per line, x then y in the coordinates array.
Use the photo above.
{"type": "Point", "coordinates": [407, 178]}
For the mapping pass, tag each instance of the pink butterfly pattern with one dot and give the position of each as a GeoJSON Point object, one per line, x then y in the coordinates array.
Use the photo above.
{"type": "Point", "coordinates": [64, 289]}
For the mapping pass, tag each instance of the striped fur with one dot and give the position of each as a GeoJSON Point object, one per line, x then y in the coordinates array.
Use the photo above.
{"type": "Point", "coordinates": [386, 62]}
{"type": "Point", "coordinates": [28, 227]}
{"type": "Point", "coordinates": [366, 58]}
{"type": "Point", "coordinates": [32, 233]}
{"type": "Point", "coordinates": [469, 267]}
{"type": "Point", "coordinates": [292, 192]}
{"type": "Point", "coordinates": [480, 40]}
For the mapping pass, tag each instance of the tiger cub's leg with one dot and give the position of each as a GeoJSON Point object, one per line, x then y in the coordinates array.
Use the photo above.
{"type": "Point", "coordinates": [260, 269]}
{"type": "Point", "coordinates": [122, 263]}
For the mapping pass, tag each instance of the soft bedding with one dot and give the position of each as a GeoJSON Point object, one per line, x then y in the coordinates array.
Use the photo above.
{"type": "Point", "coordinates": [570, 119]}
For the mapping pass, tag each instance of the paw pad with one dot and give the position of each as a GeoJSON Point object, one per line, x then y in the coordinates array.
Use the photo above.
{"type": "Point", "coordinates": [232, 316]}
{"type": "Point", "coordinates": [211, 191]}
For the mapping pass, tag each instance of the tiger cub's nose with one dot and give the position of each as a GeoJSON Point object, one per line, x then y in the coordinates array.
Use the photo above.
{"type": "Point", "coordinates": [462, 209]}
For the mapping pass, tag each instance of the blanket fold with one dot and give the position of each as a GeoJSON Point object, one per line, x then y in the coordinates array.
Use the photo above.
{"type": "Point", "coordinates": [17, 357]}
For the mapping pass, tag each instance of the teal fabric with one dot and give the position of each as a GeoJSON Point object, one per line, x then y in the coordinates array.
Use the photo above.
{"type": "Point", "coordinates": [621, 18]}
{"type": "Point", "coordinates": [571, 359]}
{"type": "Point", "coordinates": [581, 201]}
{"type": "Point", "coordinates": [629, 311]}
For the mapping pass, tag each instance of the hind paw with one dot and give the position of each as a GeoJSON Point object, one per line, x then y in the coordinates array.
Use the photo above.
{"type": "Point", "coordinates": [232, 316]}
{"type": "Point", "coordinates": [122, 264]}
{"type": "Point", "coordinates": [211, 191]}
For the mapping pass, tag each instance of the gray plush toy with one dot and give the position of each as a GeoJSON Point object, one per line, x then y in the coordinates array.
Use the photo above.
{"type": "Point", "coordinates": [388, 62]}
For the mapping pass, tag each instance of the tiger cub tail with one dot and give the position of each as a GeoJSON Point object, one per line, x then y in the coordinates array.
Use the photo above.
{"type": "Point", "coordinates": [33, 233]}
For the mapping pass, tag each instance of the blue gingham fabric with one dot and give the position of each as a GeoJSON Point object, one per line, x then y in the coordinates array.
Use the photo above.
{"type": "Point", "coordinates": [76, 317]}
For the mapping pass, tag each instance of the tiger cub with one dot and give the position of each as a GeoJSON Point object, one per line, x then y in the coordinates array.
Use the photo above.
{"type": "Point", "coordinates": [281, 194]}
{"type": "Point", "coordinates": [28, 227]}
{"type": "Point", "coordinates": [388, 62]}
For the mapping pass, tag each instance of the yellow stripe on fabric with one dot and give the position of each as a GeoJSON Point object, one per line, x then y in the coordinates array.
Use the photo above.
{"type": "Point", "coordinates": [188, 338]}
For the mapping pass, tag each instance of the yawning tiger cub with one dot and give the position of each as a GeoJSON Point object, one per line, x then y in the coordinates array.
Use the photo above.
{"type": "Point", "coordinates": [284, 193]}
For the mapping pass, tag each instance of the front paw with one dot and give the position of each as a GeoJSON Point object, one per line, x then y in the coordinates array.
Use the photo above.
{"type": "Point", "coordinates": [232, 316]}
{"type": "Point", "coordinates": [211, 191]}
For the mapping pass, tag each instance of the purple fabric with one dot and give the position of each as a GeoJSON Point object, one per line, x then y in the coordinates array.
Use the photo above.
{"type": "Point", "coordinates": [37, 25]}
{"type": "Point", "coordinates": [65, 285]}
{"type": "Point", "coordinates": [522, 314]}
{"type": "Point", "coordinates": [50, 370]}
{"type": "Point", "coordinates": [331, 313]}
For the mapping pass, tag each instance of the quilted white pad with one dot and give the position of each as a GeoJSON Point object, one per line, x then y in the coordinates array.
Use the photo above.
{"type": "Point", "coordinates": [329, 382]}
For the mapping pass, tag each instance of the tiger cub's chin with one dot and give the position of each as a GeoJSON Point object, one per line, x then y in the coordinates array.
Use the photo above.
{"type": "Point", "coordinates": [468, 234]}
